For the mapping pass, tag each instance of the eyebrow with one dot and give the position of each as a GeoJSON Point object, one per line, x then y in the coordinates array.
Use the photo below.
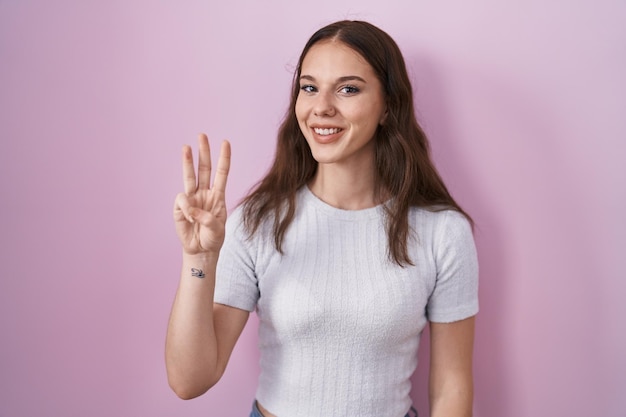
{"type": "Point", "coordinates": [340, 79]}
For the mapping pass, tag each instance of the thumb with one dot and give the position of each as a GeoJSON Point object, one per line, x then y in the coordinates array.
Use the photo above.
{"type": "Point", "coordinates": [203, 217]}
{"type": "Point", "coordinates": [182, 207]}
{"type": "Point", "coordinates": [199, 216]}
{"type": "Point", "coordinates": [194, 213]}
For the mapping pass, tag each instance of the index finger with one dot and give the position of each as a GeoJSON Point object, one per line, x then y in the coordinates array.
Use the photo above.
{"type": "Point", "coordinates": [189, 176]}
{"type": "Point", "coordinates": [223, 166]}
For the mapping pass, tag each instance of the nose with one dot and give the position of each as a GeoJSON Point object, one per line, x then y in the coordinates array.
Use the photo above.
{"type": "Point", "coordinates": [324, 105]}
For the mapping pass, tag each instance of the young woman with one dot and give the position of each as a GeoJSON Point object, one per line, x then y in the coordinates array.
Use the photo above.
{"type": "Point", "coordinates": [347, 248]}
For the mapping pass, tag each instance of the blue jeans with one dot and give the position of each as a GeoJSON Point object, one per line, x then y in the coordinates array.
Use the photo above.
{"type": "Point", "coordinates": [257, 413]}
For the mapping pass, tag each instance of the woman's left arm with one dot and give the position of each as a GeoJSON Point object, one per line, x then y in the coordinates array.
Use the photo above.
{"type": "Point", "coordinates": [451, 389]}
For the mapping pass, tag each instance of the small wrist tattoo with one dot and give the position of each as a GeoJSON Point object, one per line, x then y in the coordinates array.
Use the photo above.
{"type": "Point", "coordinates": [197, 273]}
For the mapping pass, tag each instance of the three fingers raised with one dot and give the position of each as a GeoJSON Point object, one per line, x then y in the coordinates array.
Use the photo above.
{"type": "Point", "coordinates": [203, 180]}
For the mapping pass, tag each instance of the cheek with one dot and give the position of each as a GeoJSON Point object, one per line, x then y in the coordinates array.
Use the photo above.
{"type": "Point", "coordinates": [367, 118]}
{"type": "Point", "coordinates": [301, 116]}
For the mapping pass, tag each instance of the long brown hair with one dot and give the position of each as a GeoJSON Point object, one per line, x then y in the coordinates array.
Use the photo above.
{"type": "Point", "coordinates": [404, 169]}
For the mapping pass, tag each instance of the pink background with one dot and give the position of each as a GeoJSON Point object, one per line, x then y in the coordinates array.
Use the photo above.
{"type": "Point", "coordinates": [525, 106]}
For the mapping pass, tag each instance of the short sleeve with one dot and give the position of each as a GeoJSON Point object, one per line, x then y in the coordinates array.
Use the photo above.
{"type": "Point", "coordinates": [455, 295]}
{"type": "Point", "coordinates": [236, 282]}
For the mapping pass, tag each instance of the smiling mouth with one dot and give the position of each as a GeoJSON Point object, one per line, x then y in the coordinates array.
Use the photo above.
{"type": "Point", "coordinates": [327, 132]}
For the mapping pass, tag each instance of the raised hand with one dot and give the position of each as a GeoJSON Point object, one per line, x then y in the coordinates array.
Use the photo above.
{"type": "Point", "coordinates": [200, 212]}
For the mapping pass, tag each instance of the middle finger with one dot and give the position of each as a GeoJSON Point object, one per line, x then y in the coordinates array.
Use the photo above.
{"type": "Point", "coordinates": [204, 162]}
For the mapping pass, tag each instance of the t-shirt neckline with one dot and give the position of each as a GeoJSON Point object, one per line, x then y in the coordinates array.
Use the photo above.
{"type": "Point", "coordinates": [310, 199]}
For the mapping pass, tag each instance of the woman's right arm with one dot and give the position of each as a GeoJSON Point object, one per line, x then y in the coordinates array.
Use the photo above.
{"type": "Point", "coordinates": [201, 335]}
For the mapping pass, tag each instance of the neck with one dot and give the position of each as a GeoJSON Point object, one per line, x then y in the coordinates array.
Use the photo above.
{"type": "Point", "coordinates": [345, 188]}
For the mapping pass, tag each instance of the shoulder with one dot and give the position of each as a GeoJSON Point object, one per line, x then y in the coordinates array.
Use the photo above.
{"type": "Point", "coordinates": [453, 237]}
{"type": "Point", "coordinates": [238, 228]}
{"type": "Point", "coordinates": [453, 221]}
{"type": "Point", "coordinates": [443, 231]}
{"type": "Point", "coordinates": [235, 220]}
{"type": "Point", "coordinates": [438, 220]}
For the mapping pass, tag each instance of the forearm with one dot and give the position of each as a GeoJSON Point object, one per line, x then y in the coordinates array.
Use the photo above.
{"type": "Point", "coordinates": [451, 385]}
{"type": "Point", "coordinates": [191, 345]}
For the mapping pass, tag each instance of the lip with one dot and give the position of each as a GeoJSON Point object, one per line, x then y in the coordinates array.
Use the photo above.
{"type": "Point", "coordinates": [325, 139]}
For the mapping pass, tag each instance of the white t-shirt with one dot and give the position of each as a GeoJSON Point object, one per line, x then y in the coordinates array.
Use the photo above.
{"type": "Point", "coordinates": [339, 323]}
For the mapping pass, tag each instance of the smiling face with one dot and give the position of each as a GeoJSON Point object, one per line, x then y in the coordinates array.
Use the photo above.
{"type": "Point", "coordinates": [340, 104]}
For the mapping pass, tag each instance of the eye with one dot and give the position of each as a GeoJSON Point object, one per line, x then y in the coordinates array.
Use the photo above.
{"type": "Point", "coordinates": [349, 89]}
{"type": "Point", "coordinates": [308, 88]}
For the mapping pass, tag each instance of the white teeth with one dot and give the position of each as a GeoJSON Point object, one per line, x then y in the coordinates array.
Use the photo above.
{"type": "Point", "coordinates": [326, 132]}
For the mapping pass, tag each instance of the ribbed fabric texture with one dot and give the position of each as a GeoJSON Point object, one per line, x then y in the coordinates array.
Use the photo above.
{"type": "Point", "coordinates": [339, 323]}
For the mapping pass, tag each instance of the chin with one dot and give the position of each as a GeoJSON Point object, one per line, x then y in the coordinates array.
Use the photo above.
{"type": "Point", "coordinates": [324, 157]}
